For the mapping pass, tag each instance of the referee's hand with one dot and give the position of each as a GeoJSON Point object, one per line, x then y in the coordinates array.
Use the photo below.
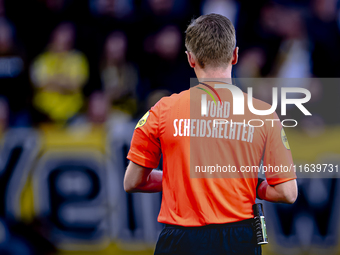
{"type": "Point", "coordinates": [261, 188]}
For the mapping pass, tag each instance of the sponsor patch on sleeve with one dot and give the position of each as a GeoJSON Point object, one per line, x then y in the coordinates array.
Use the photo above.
{"type": "Point", "coordinates": [143, 120]}
{"type": "Point", "coordinates": [284, 139]}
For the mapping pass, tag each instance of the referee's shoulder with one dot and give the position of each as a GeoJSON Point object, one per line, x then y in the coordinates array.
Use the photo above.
{"type": "Point", "coordinates": [258, 104]}
{"type": "Point", "coordinates": [173, 99]}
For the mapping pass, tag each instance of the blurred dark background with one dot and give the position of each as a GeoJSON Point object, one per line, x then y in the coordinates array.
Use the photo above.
{"type": "Point", "coordinates": [75, 77]}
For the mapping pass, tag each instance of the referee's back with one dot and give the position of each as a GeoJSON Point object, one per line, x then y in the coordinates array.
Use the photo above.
{"type": "Point", "coordinates": [208, 173]}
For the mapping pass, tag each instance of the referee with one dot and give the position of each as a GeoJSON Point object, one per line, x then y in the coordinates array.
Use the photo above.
{"type": "Point", "coordinates": [211, 214]}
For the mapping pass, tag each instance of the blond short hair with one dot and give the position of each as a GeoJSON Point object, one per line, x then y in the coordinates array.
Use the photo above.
{"type": "Point", "coordinates": [212, 39]}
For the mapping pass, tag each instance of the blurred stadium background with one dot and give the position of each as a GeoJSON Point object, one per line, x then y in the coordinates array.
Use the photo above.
{"type": "Point", "coordinates": [76, 75]}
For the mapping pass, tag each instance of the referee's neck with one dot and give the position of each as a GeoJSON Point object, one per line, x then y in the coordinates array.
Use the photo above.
{"type": "Point", "coordinates": [214, 73]}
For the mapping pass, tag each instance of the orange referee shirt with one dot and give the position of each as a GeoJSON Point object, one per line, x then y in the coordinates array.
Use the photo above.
{"type": "Point", "coordinates": [207, 176]}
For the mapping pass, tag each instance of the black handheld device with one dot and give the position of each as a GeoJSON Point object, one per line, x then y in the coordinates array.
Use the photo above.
{"type": "Point", "coordinates": [260, 224]}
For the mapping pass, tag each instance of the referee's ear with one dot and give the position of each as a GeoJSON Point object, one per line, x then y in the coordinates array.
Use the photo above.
{"type": "Point", "coordinates": [235, 56]}
{"type": "Point", "coordinates": [191, 59]}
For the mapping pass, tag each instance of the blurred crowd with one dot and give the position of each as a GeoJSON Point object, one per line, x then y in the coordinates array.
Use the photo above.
{"type": "Point", "coordinates": [74, 61]}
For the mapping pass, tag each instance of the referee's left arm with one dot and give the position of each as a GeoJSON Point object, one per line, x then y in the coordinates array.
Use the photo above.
{"type": "Point", "coordinates": [144, 155]}
{"type": "Point", "coordinates": [141, 179]}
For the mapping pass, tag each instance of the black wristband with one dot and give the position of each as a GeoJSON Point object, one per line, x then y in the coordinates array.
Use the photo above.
{"type": "Point", "coordinates": [259, 181]}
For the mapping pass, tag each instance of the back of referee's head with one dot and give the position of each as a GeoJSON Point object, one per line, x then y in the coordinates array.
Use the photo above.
{"type": "Point", "coordinates": [211, 39]}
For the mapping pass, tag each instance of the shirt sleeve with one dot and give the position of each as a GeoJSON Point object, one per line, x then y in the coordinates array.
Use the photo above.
{"type": "Point", "coordinates": [277, 162]}
{"type": "Point", "coordinates": [145, 149]}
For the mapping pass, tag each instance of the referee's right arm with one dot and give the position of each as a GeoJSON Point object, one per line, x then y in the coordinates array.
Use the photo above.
{"type": "Point", "coordinates": [285, 192]}
{"type": "Point", "coordinates": [279, 187]}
